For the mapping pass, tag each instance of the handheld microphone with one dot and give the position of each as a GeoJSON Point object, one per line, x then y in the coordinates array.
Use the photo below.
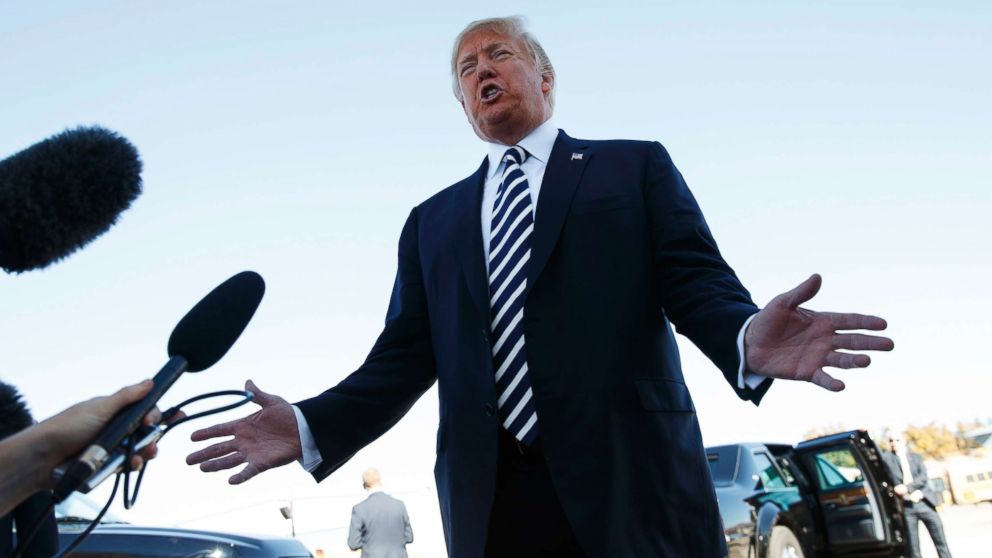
{"type": "Point", "coordinates": [59, 194]}
{"type": "Point", "coordinates": [198, 341]}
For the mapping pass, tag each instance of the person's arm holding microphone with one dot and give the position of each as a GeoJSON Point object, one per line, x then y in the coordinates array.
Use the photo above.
{"type": "Point", "coordinates": [28, 458]}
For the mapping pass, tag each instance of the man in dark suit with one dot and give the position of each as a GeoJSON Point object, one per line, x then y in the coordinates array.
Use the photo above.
{"type": "Point", "coordinates": [380, 526]}
{"type": "Point", "coordinates": [565, 426]}
{"type": "Point", "coordinates": [919, 501]}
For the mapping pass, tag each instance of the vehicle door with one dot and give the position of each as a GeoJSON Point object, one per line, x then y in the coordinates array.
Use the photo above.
{"type": "Point", "coordinates": [853, 499]}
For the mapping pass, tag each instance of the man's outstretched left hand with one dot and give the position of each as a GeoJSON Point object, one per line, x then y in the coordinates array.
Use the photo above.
{"type": "Point", "coordinates": [789, 342]}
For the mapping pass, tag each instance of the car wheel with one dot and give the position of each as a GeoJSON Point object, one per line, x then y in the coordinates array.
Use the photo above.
{"type": "Point", "coordinates": [783, 544]}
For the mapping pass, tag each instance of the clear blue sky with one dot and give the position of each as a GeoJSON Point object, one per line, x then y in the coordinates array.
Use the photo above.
{"type": "Point", "coordinates": [849, 138]}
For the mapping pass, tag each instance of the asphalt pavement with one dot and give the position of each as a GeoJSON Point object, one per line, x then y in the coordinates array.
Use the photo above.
{"type": "Point", "coordinates": [968, 529]}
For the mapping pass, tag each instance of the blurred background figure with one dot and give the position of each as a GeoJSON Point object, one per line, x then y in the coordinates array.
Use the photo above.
{"type": "Point", "coordinates": [14, 417]}
{"type": "Point", "coordinates": [380, 526]}
{"type": "Point", "coordinates": [919, 501]}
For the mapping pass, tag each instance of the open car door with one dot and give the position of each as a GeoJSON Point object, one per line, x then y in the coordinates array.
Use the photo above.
{"type": "Point", "coordinates": [853, 498]}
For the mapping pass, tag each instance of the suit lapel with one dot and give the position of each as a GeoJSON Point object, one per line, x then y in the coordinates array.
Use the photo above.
{"type": "Point", "coordinates": [561, 178]}
{"type": "Point", "coordinates": [468, 238]}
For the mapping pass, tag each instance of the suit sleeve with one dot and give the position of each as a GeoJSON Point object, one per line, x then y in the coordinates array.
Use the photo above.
{"type": "Point", "coordinates": [398, 370]}
{"type": "Point", "coordinates": [407, 528]}
{"type": "Point", "coordinates": [700, 293]}
{"type": "Point", "coordinates": [920, 476]}
{"type": "Point", "coordinates": [356, 531]}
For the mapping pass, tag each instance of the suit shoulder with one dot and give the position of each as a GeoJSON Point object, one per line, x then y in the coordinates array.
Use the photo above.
{"type": "Point", "coordinates": [621, 144]}
{"type": "Point", "coordinates": [394, 500]}
{"type": "Point", "coordinates": [441, 198]}
{"type": "Point", "coordinates": [627, 148]}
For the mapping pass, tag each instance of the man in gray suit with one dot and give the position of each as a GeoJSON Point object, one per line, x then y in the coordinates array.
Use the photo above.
{"type": "Point", "coordinates": [919, 501]}
{"type": "Point", "coordinates": [380, 525]}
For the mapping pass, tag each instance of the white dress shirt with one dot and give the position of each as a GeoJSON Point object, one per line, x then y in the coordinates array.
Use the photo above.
{"type": "Point", "coordinates": [538, 145]}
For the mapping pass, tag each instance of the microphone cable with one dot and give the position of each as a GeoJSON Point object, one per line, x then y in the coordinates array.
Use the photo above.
{"type": "Point", "coordinates": [130, 499]}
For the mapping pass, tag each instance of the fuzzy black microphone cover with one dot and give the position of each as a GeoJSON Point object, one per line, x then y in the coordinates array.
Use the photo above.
{"type": "Point", "coordinates": [61, 193]}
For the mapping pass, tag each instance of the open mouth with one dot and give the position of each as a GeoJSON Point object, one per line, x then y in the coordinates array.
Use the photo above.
{"type": "Point", "coordinates": [490, 93]}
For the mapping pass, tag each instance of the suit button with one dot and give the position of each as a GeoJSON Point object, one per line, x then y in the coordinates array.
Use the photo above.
{"type": "Point", "coordinates": [485, 334]}
{"type": "Point", "coordinates": [490, 410]}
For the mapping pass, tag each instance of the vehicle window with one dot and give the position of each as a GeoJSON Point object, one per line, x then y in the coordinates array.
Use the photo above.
{"type": "Point", "coordinates": [837, 468]}
{"type": "Point", "coordinates": [770, 477]}
{"type": "Point", "coordinates": [783, 466]}
{"type": "Point", "coordinates": [723, 463]}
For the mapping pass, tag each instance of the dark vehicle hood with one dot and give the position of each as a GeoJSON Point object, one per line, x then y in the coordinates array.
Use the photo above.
{"type": "Point", "coordinates": [246, 544]}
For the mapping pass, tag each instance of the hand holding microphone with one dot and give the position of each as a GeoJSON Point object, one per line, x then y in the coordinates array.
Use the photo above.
{"type": "Point", "coordinates": [201, 338]}
{"type": "Point", "coordinates": [27, 459]}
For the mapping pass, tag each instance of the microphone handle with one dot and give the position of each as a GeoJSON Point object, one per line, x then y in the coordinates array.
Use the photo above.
{"type": "Point", "coordinates": [129, 419]}
{"type": "Point", "coordinates": [117, 430]}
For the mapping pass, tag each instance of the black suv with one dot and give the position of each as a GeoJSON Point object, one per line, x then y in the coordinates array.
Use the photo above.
{"type": "Point", "coordinates": [117, 539]}
{"type": "Point", "coordinates": [830, 496]}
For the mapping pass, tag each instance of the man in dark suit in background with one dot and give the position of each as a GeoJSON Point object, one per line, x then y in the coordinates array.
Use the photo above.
{"type": "Point", "coordinates": [380, 525]}
{"type": "Point", "coordinates": [919, 501]}
{"type": "Point", "coordinates": [539, 294]}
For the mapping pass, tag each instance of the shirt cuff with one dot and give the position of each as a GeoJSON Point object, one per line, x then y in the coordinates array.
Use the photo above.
{"type": "Point", "coordinates": [311, 455]}
{"type": "Point", "coordinates": [745, 378]}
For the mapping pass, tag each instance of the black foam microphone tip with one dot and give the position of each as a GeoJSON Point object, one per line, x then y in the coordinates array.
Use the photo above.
{"type": "Point", "coordinates": [207, 331]}
{"type": "Point", "coordinates": [59, 194]}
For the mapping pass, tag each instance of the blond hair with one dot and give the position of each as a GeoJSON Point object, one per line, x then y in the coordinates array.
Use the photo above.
{"type": "Point", "coordinates": [513, 27]}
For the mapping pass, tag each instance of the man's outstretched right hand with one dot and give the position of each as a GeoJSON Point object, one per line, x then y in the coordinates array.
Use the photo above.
{"type": "Point", "coordinates": [264, 440]}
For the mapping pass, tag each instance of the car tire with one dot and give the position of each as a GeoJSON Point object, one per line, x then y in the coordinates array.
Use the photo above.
{"type": "Point", "coordinates": [783, 544]}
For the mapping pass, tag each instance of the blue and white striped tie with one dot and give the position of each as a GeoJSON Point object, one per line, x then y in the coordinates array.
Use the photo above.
{"type": "Point", "coordinates": [509, 255]}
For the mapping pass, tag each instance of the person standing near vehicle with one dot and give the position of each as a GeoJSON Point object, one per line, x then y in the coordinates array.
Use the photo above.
{"type": "Point", "coordinates": [919, 501]}
{"type": "Point", "coordinates": [380, 525]}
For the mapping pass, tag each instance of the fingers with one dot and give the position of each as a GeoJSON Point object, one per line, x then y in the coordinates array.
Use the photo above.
{"type": "Point", "coordinates": [153, 417]}
{"type": "Point", "coordinates": [826, 381]}
{"type": "Point", "coordinates": [175, 417]}
{"type": "Point", "coordinates": [220, 464]}
{"type": "Point", "coordinates": [860, 342]}
{"type": "Point", "coordinates": [127, 395]}
{"type": "Point", "coordinates": [244, 474]}
{"type": "Point", "coordinates": [846, 360]}
{"type": "Point", "coordinates": [149, 452]}
{"type": "Point", "coordinates": [216, 431]}
{"type": "Point", "coordinates": [855, 321]}
{"type": "Point", "coordinates": [803, 292]}
{"type": "Point", "coordinates": [211, 452]}
{"type": "Point", "coordinates": [262, 398]}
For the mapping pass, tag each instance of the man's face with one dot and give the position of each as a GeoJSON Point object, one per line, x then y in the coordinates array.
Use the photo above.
{"type": "Point", "coordinates": [503, 94]}
{"type": "Point", "coordinates": [896, 444]}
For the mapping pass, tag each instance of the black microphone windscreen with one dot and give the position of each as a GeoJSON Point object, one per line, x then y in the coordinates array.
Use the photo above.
{"type": "Point", "coordinates": [61, 193]}
{"type": "Point", "coordinates": [207, 331]}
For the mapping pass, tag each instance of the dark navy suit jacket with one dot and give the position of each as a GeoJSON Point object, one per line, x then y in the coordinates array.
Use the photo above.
{"type": "Point", "coordinates": [917, 471]}
{"type": "Point", "coordinates": [620, 251]}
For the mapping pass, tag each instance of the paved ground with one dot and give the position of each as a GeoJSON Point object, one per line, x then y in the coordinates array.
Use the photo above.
{"type": "Point", "coordinates": [968, 529]}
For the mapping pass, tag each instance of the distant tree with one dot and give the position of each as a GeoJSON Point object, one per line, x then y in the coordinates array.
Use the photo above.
{"type": "Point", "coordinates": [933, 440]}
{"type": "Point", "coordinates": [964, 442]}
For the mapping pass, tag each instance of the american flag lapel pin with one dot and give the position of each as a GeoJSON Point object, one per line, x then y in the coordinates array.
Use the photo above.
{"type": "Point", "coordinates": [576, 156]}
